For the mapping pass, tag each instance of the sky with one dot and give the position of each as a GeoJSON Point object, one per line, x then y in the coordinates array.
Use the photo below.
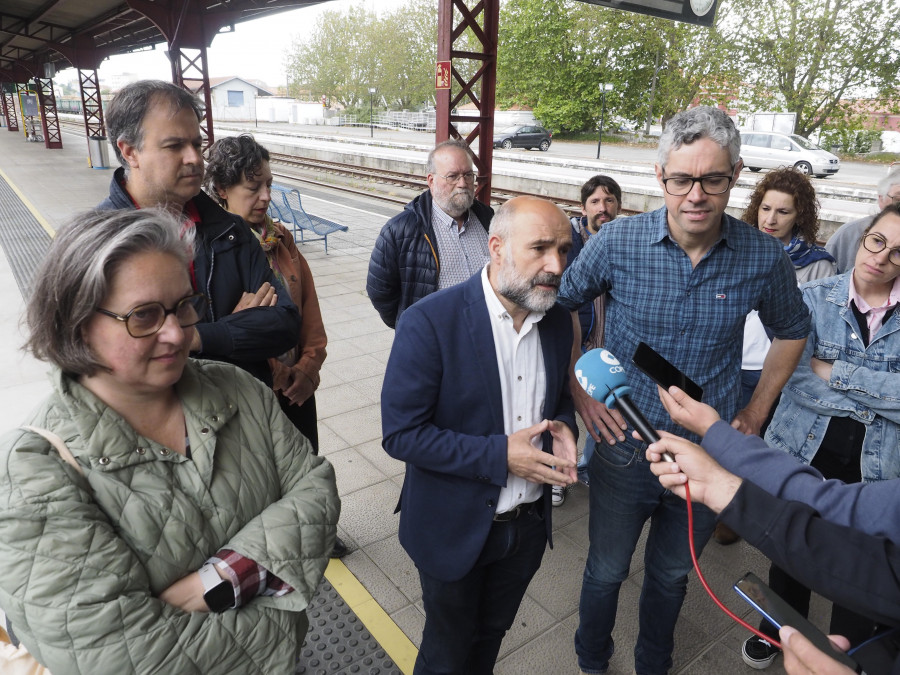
{"type": "Point", "coordinates": [256, 49]}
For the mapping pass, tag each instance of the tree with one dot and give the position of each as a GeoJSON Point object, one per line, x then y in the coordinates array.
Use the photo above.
{"type": "Point", "coordinates": [582, 46]}
{"type": "Point", "coordinates": [336, 61]}
{"type": "Point", "coordinates": [346, 54]}
{"type": "Point", "coordinates": [813, 57]}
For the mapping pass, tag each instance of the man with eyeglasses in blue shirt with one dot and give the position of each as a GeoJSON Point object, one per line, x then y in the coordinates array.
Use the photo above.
{"type": "Point", "coordinates": [439, 240]}
{"type": "Point", "coordinates": [682, 279]}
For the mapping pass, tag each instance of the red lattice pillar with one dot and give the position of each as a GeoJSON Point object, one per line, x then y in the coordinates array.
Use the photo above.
{"type": "Point", "coordinates": [8, 100]}
{"type": "Point", "coordinates": [191, 71]}
{"type": "Point", "coordinates": [49, 118]}
{"type": "Point", "coordinates": [475, 80]}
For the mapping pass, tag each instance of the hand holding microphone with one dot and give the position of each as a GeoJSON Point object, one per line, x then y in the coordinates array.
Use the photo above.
{"type": "Point", "coordinates": [602, 376]}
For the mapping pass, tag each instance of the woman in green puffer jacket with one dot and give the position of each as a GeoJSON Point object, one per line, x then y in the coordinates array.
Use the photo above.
{"type": "Point", "coordinates": [183, 524]}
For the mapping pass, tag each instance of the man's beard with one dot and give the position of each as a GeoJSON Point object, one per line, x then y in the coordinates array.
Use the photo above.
{"type": "Point", "coordinates": [458, 203]}
{"type": "Point", "coordinates": [523, 292]}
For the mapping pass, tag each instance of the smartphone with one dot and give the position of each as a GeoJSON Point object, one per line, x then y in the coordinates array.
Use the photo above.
{"type": "Point", "coordinates": [658, 369]}
{"type": "Point", "coordinates": [765, 601]}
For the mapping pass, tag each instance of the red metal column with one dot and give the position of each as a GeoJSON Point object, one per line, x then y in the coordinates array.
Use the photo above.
{"type": "Point", "coordinates": [21, 90]}
{"type": "Point", "coordinates": [49, 118]}
{"type": "Point", "coordinates": [190, 71]}
{"type": "Point", "coordinates": [9, 110]}
{"type": "Point", "coordinates": [91, 105]}
{"type": "Point", "coordinates": [480, 24]}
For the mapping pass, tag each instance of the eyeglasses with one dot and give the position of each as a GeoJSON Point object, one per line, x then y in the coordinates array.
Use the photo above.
{"type": "Point", "coordinates": [875, 243]}
{"type": "Point", "coordinates": [895, 199]}
{"type": "Point", "coordinates": [679, 186]}
{"type": "Point", "coordinates": [146, 320]}
{"type": "Point", "coordinates": [469, 177]}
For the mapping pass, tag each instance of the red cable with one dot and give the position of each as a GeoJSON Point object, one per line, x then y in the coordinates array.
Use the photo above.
{"type": "Point", "coordinates": [690, 516]}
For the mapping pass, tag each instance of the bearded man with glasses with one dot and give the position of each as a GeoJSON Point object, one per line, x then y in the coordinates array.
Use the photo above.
{"type": "Point", "coordinates": [682, 279]}
{"type": "Point", "coordinates": [439, 240]}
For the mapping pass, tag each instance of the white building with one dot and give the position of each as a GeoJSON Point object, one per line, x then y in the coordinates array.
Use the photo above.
{"type": "Point", "coordinates": [234, 99]}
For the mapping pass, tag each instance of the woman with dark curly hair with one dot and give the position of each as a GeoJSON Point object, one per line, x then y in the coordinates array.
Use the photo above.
{"type": "Point", "coordinates": [239, 178]}
{"type": "Point", "coordinates": [784, 204]}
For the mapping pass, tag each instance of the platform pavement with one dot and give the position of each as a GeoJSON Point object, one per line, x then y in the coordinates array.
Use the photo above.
{"type": "Point", "coordinates": [540, 642]}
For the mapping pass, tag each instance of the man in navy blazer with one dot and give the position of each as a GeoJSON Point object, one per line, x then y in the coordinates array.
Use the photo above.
{"type": "Point", "coordinates": [476, 402]}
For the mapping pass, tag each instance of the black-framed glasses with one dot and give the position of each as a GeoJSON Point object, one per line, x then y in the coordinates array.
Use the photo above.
{"type": "Point", "coordinates": [146, 320]}
{"type": "Point", "coordinates": [678, 186]}
{"type": "Point", "coordinates": [468, 176]}
{"type": "Point", "coordinates": [875, 243]}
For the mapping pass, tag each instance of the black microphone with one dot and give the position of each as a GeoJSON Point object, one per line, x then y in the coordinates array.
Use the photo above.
{"type": "Point", "coordinates": [602, 376]}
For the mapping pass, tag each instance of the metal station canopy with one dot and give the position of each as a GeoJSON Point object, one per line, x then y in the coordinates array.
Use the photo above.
{"type": "Point", "coordinates": [39, 37]}
{"type": "Point", "coordinates": [702, 12]}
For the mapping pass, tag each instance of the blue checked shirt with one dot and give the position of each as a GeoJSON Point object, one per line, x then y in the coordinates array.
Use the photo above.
{"type": "Point", "coordinates": [694, 317]}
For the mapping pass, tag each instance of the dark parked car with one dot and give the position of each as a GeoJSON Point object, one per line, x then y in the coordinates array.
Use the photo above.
{"type": "Point", "coordinates": [523, 136]}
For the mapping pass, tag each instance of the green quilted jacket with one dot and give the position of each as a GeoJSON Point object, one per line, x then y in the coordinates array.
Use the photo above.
{"type": "Point", "coordinates": [82, 559]}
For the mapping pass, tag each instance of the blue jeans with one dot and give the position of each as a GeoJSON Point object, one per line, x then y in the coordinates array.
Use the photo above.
{"type": "Point", "coordinates": [623, 495]}
{"type": "Point", "coordinates": [465, 620]}
{"type": "Point", "coordinates": [589, 445]}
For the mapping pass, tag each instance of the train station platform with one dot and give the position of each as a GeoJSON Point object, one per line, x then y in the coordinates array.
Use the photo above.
{"type": "Point", "coordinates": [377, 583]}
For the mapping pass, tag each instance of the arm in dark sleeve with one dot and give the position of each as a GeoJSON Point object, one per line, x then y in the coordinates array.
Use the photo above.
{"type": "Point", "coordinates": [413, 385]}
{"type": "Point", "coordinates": [256, 333]}
{"type": "Point", "coordinates": [383, 280]}
{"type": "Point", "coordinates": [853, 569]}
{"type": "Point", "coordinates": [868, 507]}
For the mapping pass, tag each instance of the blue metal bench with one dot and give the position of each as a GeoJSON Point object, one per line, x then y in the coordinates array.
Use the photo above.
{"type": "Point", "coordinates": [287, 207]}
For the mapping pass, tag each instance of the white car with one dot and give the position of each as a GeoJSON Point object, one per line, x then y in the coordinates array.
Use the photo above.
{"type": "Point", "coordinates": [770, 149]}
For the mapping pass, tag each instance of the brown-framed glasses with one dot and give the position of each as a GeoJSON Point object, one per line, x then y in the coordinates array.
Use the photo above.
{"type": "Point", "coordinates": [146, 320]}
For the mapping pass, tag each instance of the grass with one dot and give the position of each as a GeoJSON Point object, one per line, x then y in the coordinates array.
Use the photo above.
{"type": "Point", "coordinates": [872, 157]}
{"type": "Point", "coordinates": [591, 137]}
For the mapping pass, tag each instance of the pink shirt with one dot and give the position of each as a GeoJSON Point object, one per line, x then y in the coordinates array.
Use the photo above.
{"type": "Point", "coordinates": [874, 315]}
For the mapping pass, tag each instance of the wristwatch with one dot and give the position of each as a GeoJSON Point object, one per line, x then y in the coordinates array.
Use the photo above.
{"type": "Point", "coordinates": [217, 592]}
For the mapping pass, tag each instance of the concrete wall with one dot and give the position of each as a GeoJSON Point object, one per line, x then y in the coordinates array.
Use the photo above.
{"type": "Point", "coordinates": [284, 109]}
{"type": "Point", "coordinates": [638, 193]}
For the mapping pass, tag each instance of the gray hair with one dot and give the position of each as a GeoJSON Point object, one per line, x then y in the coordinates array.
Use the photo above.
{"type": "Point", "coordinates": [696, 123]}
{"type": "Point", "coordinates": [889, 181]}
{"type": "Point", "coordinates": [457, 143]}
{"type": "Point", "coordinates": [75, 275]}
{"type": "Point", "coordinates": [125, 113]}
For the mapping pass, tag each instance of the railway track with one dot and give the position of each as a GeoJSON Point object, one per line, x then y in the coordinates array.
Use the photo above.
{"type": "Point", "coordinates": [291, 167]}
{"type": "Point", "coordinates": [571, 206]}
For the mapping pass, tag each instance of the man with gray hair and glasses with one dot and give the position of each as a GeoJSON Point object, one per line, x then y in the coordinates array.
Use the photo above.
{"type": "Point", "coordinates": [844, 243]}
{"type": "Point", "coordinates": [439, 240]}
{"type": "Point", "coordinates": [682, 279]}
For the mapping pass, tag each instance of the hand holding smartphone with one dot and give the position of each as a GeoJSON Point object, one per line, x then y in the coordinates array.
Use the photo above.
{"type": "Point", "coordinates": [765, 601]}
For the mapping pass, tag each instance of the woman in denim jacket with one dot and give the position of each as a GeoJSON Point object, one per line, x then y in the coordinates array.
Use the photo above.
{"type": "Point", "coordinates": [840, 411]}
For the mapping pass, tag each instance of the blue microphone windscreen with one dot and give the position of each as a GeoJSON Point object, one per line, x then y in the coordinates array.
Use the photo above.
{"type": "Point", "coordinates": [602, 376]}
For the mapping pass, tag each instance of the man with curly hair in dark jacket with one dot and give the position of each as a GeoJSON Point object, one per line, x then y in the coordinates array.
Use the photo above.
{"type": "Point", "coordinates": [439, 240]}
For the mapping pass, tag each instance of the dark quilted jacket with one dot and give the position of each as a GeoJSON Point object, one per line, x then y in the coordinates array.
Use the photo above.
{"type": "Point", "coordinates": [404, 264]}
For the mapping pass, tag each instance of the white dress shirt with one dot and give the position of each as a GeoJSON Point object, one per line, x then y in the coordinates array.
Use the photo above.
{"type": "Point", "coordinates": [523, 385]}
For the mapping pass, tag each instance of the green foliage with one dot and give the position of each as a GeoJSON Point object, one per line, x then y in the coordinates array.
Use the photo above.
{"type": "Point", "coordinates": [346, 54]}
{"type": "Point", "coordinates": [554, 54]}
{"type": "Point", "coordinates": [850, 141]}
{"type": "Point", "coordinates": [812, 57]}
